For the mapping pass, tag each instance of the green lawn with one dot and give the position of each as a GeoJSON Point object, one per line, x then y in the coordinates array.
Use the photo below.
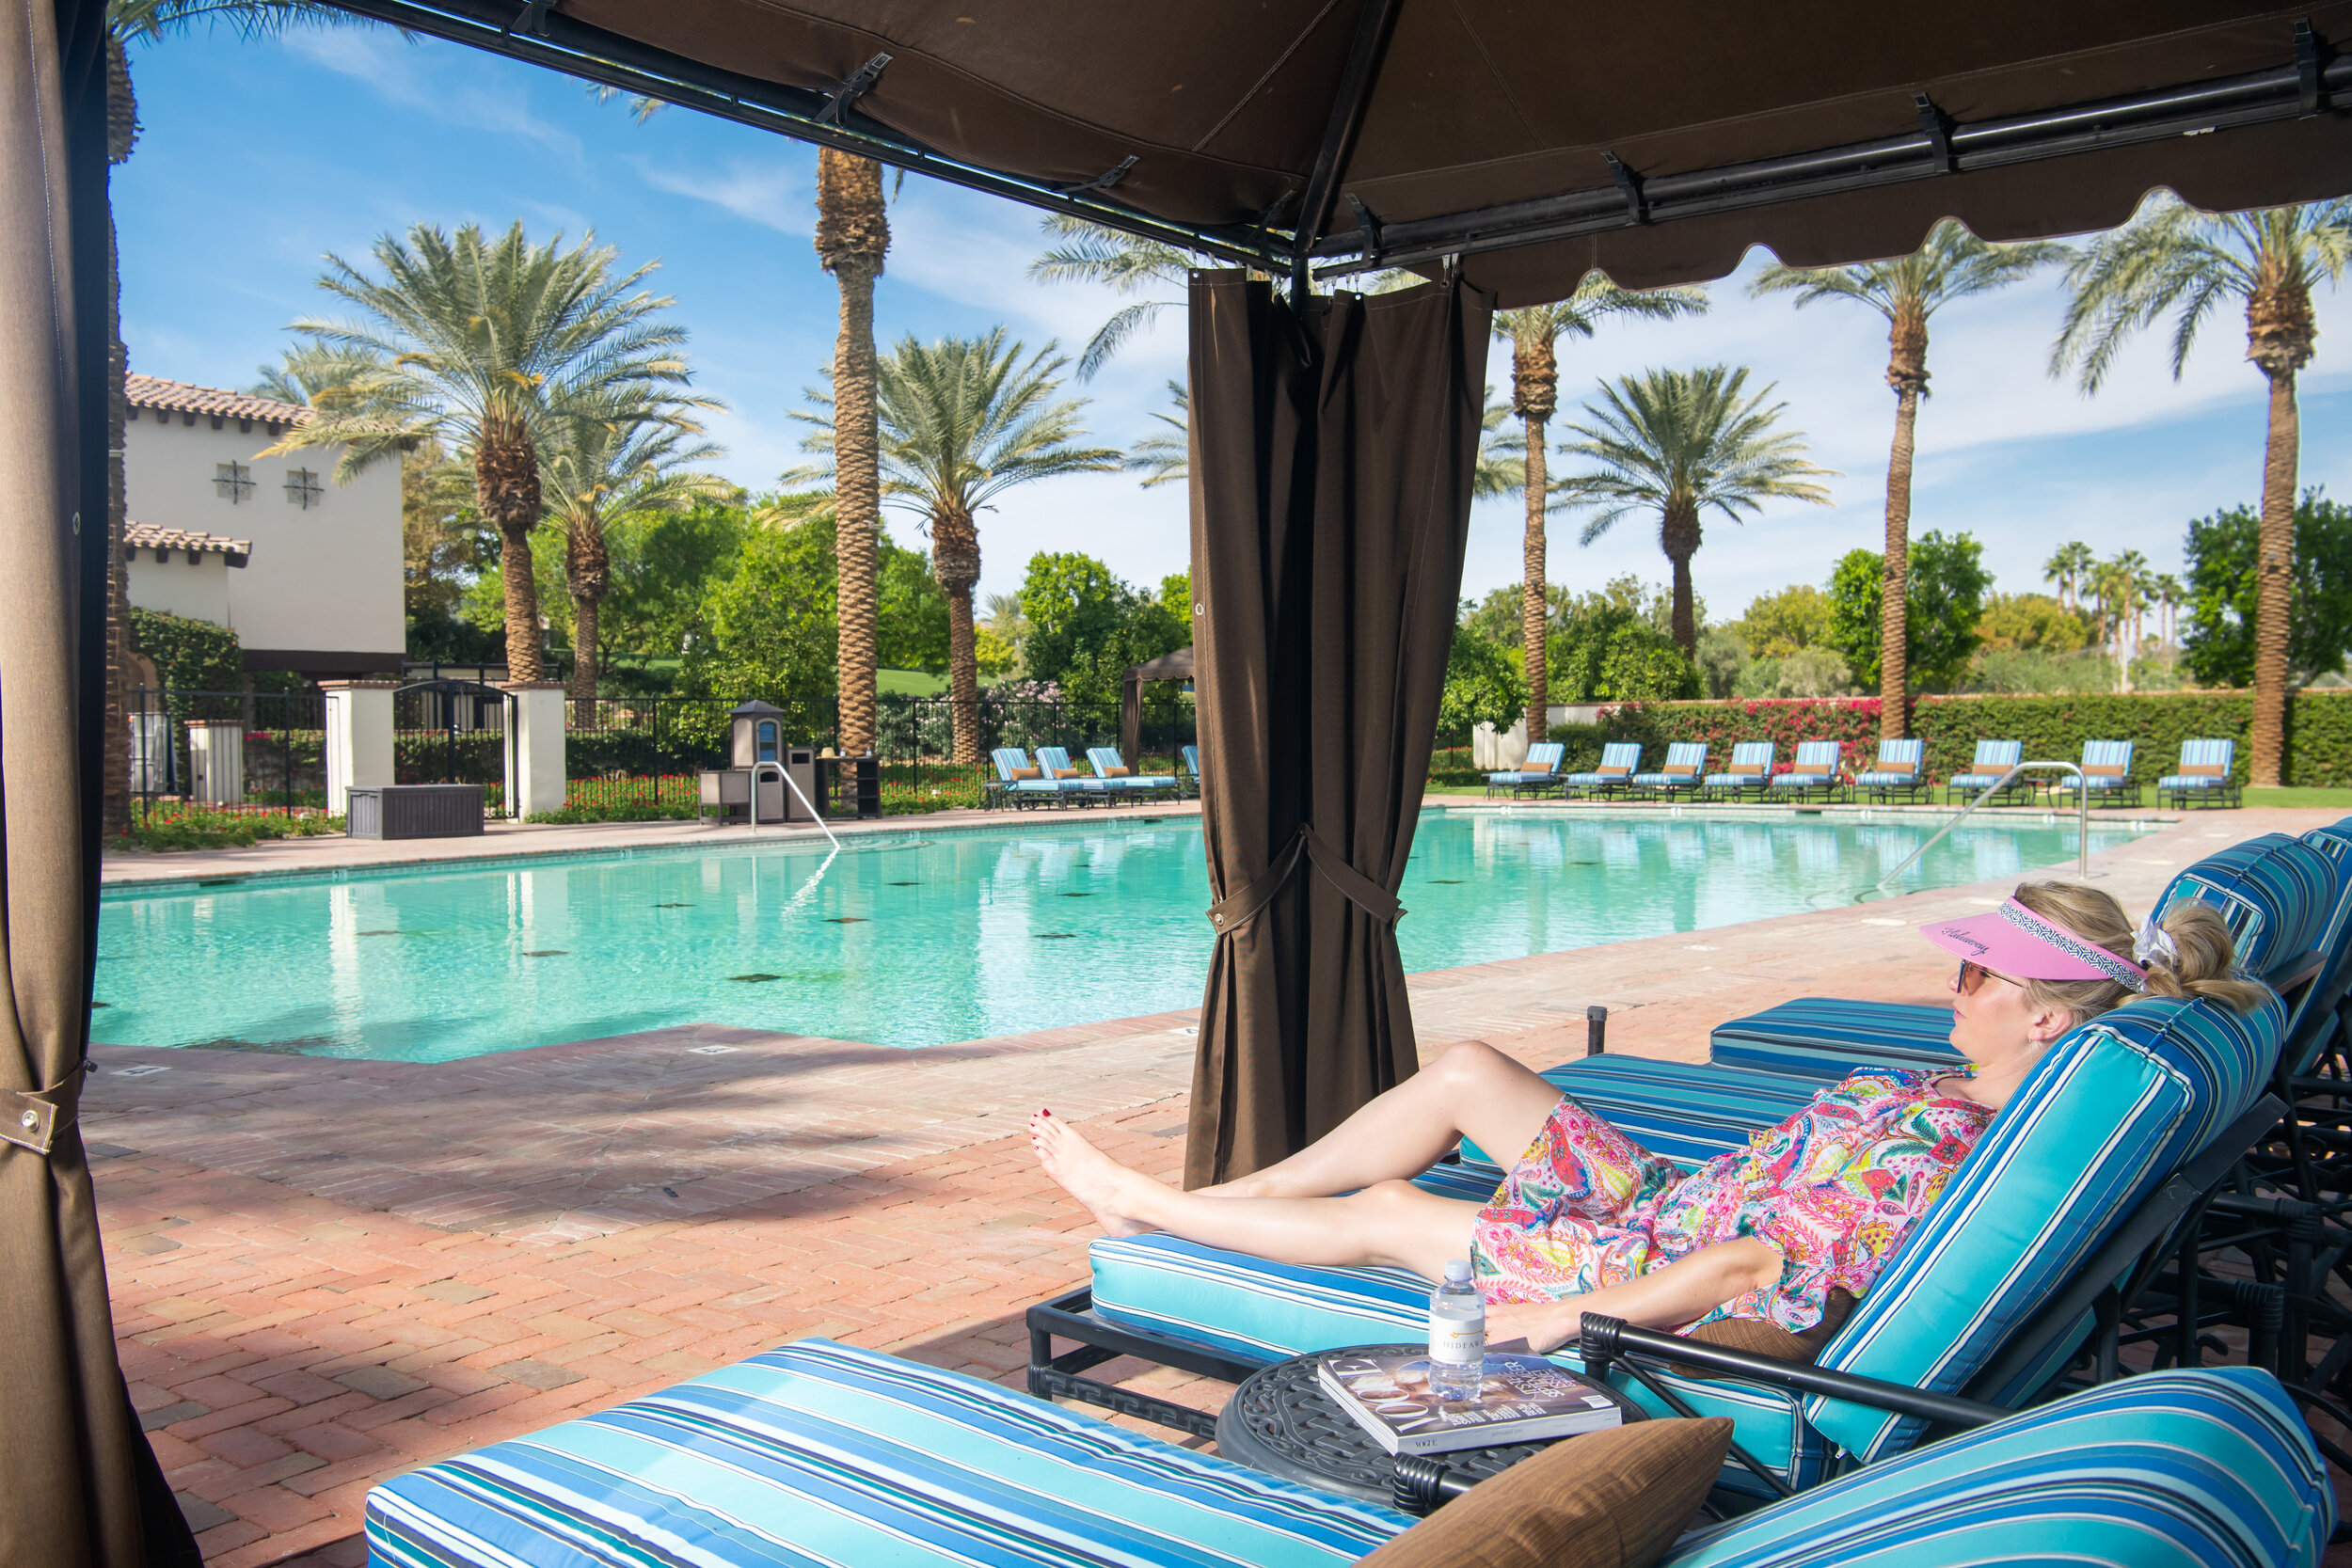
{"type": "Point", "coordinates": [909, 682]}
{"type": "Point", "coordinates": [2334, 800]}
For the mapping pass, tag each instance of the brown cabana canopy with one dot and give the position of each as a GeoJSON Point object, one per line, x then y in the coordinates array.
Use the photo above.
{"type": "Point", "coordinates": [1506, 148]}
{"type": "Point", "coordinates": [1176, 666]}
{"type": "Point", "coordinates": [1533, 141]}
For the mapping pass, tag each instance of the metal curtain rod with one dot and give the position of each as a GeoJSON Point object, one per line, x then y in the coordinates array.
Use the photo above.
{"type": "Point", "coordinates": [1374, 24]}
{"type": "Point", "coordinates": [2284, 92]}
{"type": "Point", "coordinates": [519, 30]}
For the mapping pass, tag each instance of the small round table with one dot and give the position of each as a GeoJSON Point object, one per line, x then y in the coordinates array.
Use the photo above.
{"type": "Point", "coordinates": [1281, 1421]}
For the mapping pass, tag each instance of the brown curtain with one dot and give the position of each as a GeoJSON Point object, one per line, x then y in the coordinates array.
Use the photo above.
{"type": "Point", "coordinates": [1331, 462]}
{"type": "Point", "coordinates": [78, 1483]}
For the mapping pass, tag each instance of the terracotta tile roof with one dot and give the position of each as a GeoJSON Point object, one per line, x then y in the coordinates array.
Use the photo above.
{"type": "Point", "coordinates": [145, 536]}
{"type": "Point", "coordinates": [178, 397]}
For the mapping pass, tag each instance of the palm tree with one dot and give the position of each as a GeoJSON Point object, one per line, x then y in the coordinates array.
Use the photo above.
{"type": "Point", "coordinates": [2069, 564]}
{"type": "Point", "coordinates": [1951, 263]}
{"type": "Point", "coordinates": [1501, 467]}
{"type": "Point", "coordinates": [2174, 260]}
{"type": "Point", "coordinates": [2122, 583]}
{"type": "Point", "coordinates": [1128, 264]}
{"type": "Point", "coordinates": [491, 346]}
{"type": "Point", "coordinates": [1533, 333]}
{"type": "Point", "coordinates": [310, 372]}
{"type": "Point", "coordinates": [963, 420]}
{"type": "Point", "coordinates": [599, 465]}
{"type": "Point", "coordinates": [1681, 442]}
{"type": "Point", "coordinates": [2169, 596]}
{"type": "Point", "coordinates": [852, 237]}
{"type": "Point", "coordinates": [149, 21]}
{"type": "Point", "coordinates": [1166, 455]}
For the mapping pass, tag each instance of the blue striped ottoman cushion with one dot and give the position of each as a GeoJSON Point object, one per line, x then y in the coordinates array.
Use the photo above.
{"type": "Point", "coordinates": [1824, 1037]}
{"type": "Point", "coordinates": [2178, 1469]}
{"type": "Point", "coordinates": [822, 1455]}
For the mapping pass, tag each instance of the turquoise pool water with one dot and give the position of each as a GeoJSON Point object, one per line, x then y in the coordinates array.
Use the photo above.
{"type": "Point", "coordinates": [912, 942]}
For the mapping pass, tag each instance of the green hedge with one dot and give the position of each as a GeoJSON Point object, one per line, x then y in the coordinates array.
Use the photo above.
{"type": "Point", "coordinates": [2319, 729]}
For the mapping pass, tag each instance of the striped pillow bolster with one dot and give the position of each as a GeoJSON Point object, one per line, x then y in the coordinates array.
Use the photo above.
{"type": "Point", "coordinates": [2214, 1463]}
{"type": "Point", "coordinates": [819, 1453]}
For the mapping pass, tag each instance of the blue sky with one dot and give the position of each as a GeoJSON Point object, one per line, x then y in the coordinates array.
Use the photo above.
{"type": "Point", "coordinates": [257, 158]}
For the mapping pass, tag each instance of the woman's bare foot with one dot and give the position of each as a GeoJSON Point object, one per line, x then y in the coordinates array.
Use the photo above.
{"type": "Point", "coordinates": [1087, 1174]}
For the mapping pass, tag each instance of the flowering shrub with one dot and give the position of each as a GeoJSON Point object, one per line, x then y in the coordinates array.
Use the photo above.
{"type": "Point", "coordinates": [176, 825]}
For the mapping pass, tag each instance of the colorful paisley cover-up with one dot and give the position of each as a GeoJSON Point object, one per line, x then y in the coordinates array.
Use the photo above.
{"type": "Point", "coordinates": [1835, 1188]}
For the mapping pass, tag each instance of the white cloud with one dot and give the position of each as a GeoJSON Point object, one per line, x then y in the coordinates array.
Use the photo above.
{"type": "Point", "coordinates": [769, 193]}
{"type": "Point", "coordinates": [437, 86]}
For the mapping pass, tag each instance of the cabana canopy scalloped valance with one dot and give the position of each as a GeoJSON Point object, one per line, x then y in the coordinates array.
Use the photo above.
{"type": "Point", "coordinates": [1535, 141]}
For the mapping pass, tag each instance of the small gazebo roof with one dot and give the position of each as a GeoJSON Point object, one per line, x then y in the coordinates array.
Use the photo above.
{"type": "Point", "coordinates": [1168, 667]}
{"type": "Point", "coordinates": [752, 708]}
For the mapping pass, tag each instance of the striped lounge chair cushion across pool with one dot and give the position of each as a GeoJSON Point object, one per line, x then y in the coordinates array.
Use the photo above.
{"type": "Point", "coordinates": [821, 1455]}
{"type": "Point", "coordinates": [2204, 765]}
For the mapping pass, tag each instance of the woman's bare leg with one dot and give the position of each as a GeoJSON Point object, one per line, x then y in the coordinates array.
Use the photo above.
{"type": "Point", "coordinates": [1387, 1222]}
{"type": "Point", "coordinates": [1472, 1090]}
{"type": "Point", "coordinates": [1687, 1289]}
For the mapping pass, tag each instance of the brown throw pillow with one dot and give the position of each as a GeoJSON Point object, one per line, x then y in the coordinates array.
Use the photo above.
{"type": "Point", "coordinates": [1028, 773]}
{"type": "Point", "coordinates": [1113, 772]}
{"type": "Point", "coordinates": [1064, 772]}
{"type": "Point", "coordinates": [2203, 770]}
{"type": "Point", "coordinates": [1680, 769]}
{"type": "Point", "coordinates": [1613, 772]}
{"type": "Point", "coordinates": [1607, 1499]}
{"type": "Point", "coordinates": [2103, 770]}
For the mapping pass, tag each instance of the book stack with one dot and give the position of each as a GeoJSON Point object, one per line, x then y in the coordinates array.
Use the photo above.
{"type": "Point", "coordinates": [1521, 1399]}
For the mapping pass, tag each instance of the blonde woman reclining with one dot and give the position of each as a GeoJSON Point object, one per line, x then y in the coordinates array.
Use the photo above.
{"type": "Point", "coordinates": [1589, 1220]}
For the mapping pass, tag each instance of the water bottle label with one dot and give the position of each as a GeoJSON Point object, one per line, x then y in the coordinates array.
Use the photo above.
{"type": "Point", "coordinates": [1459, 1343]}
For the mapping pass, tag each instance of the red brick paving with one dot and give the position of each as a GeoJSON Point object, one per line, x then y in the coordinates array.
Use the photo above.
{"type": "Point", "coordinates": [326, 1272]}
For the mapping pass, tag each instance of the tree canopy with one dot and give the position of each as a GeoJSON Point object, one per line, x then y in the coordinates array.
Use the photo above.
{"type": "Point", "coordinates": [1945, 597]}
{"type": "Point", "coordinates": [2219, 641]}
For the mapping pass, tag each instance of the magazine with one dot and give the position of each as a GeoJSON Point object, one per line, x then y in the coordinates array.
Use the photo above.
{"type": "Point", "coordinates": [1523, 1398]}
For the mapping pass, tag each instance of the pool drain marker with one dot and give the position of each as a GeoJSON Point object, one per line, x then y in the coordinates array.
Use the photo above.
{"type": "Point", "coordinates": [754, 980]}
{"type": "Point", "coordinates": [845, 920]}
{"type": "Point", "coordinates": [1054, 936]}
{"type": "Point", "coordinates": [673, 906]}
{"type": "Point", "coordinates": [544, 952]}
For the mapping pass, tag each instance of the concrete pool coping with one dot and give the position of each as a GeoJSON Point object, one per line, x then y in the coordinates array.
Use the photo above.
{"type": "Point", "coordinates": [507, 844]}
{"type": "Point", "coordinates": [328, 1272]}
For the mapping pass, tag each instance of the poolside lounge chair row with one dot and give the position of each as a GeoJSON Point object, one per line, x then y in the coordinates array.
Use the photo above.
{"type": "Point", "coordinates": [1050, 780]}
{"type": "Point", "coordinates": [2204, 775]}
{"type": "Point", "coordinates": [821, 1453]}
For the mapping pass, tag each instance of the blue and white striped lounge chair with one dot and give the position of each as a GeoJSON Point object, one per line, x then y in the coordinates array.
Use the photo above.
{"type": "Point", "coordinates": [1901, 769]}
{"type": "Point", "coordinates": [1076, 783]}
{"type": "Point", "coordinates": [1112, 770]}
{"type": "Point", "coordinates": [1816, 768]}
{"type": "Point", "coordinates": [1035, 788]}
{"type": "Point", "coordinates": [1685, 769]}
{"type": "Point", "coordinates": [1994, 759]}
{"type": "Point", "coordinates": [1188, 769]}
{"type": "Point", "coordinates": [1540, 776]}
{"type": "Point", "coordinates": [2203, 775]}
{"type": "Point", "coordinates": [1751, 768]}
{"type": "Point", "coordinates": [2050, 1199]}
{"type": "Point", "coordinates": [1619, 761]}
{"type": "Point", "coordinates": [819, 1454]}
{"type": "Point", "coordinates": [2106, 766]}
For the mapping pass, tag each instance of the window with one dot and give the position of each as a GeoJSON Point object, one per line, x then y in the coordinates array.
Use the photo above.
{"type": "Point", "coordinates": [303, 488]}
{"type": "Point", "coordinates": [233, 481]}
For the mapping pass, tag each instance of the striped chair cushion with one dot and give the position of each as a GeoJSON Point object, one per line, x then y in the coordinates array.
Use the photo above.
{"type": "Point", "coordinates": [1522, 777]}
{"type": "Point", "coordinates": [1686, 1111]}
{"type": "Point", "coordinates": [2199, 1469]}
{"type": "Point", "coordinates": [2105, 1116]}
{"type": "Point", "coordinates": [2193, 780]}
{"type": "Point", "coordinates": [1887, 781]}
{"type": "Point", "coordinates": [2276, 893]}
{"type": "Point", "coordinates": [819, 1454]}
{"type": "Point", "coordinates": [1824, 1037]}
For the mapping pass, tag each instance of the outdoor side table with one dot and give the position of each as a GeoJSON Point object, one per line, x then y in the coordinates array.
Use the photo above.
{"type": "Point", "coordinates": [1281, 1421]}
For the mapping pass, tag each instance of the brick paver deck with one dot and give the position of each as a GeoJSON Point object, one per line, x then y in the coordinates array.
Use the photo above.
{"type": "Point", "coordinates": [326, 1272]}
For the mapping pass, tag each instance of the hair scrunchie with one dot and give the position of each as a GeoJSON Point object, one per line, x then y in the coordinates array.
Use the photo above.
{"type": "Point", "coordinates": [2153, 942]}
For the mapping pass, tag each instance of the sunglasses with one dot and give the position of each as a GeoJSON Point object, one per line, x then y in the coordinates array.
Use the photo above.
{"type": "Point", "coordinates": [1974, 974]}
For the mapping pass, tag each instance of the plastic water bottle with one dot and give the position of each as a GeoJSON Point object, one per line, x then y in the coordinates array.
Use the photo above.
{"type": "Point", "coordinates": [1457, 1335]}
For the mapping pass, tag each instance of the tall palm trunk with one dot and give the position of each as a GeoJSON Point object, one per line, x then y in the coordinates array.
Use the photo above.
{"type": "Point", "coordinates": [852, 235]}
{"type": "Point", "coordinates": [2278, 334]}
{"type": "Point", "coordinates": [506, 487]}
{"type": "Point", "coordinates": [1534, 394]}
{"type": "Point", "coordinates": [1678, 535]}
{"type": "Point", "coordinates": [956, 561]}
{"type": "Point", "coordinates": [1907, 374]}
{"type": "Point", "coordinates": [114, 779]}
{"type": "Point", "coordinates": [588, 573]}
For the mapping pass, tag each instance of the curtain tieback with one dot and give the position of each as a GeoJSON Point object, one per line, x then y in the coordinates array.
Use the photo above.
{"type": "Point", "coordinates": [32, 1118]}
{"type": "Point", "coordinates": [1234, 910]}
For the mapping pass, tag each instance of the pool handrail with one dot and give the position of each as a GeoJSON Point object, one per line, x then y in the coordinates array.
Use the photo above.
{"type": "Point", "coordinates": [786, 778]}
{"type": "Point", "coordinates": [2082, 827]}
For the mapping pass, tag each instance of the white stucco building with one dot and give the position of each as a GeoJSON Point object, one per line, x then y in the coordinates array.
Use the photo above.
{"type": "Point", "coordinates": [319, 590]}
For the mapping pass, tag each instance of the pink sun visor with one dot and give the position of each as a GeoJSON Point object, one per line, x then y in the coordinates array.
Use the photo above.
{"type": "Point", "coordinates": [2015, 941]}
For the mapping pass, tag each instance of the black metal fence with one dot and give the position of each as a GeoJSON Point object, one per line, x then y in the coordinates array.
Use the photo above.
{"type": "Point", "coordinates": [281, 745]}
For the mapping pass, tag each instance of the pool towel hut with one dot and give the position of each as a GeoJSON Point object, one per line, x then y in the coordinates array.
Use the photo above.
{"type": "Point", "coordinates": [1516, 151]}
{"type": "Point", "coordinates": [1176, 666]}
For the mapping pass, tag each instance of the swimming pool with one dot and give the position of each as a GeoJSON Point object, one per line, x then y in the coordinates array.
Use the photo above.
{"type": "Point", "coordinates": [908, 941]}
